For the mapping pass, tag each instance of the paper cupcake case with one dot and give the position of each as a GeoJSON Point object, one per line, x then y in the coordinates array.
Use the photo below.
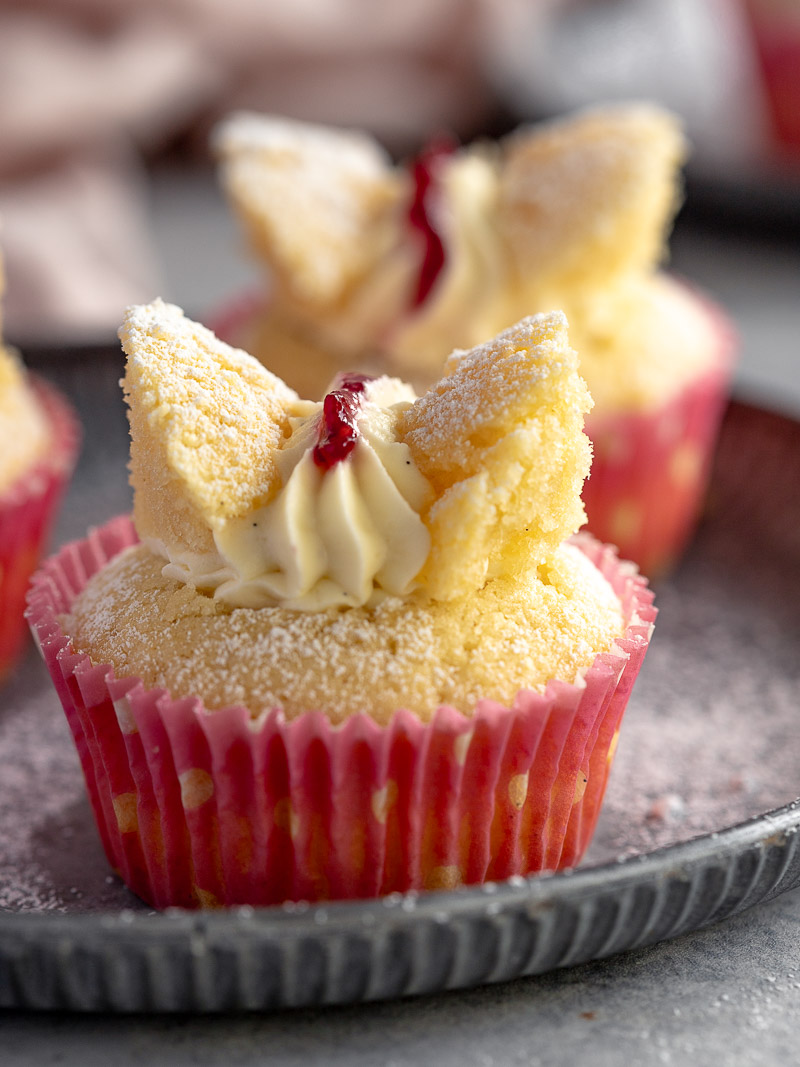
{"type": "Point", "coordinates": [27, 512]}
{"type": "Point", "coordinates": [650, 470]}
{"type": "Point", "coordinates": [199, 808]}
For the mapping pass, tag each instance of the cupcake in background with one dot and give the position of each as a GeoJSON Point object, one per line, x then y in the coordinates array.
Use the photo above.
{"type": "Point", "coordinates": [345, 648]}
{"type": "Point", "coordinates": [378, 266]}
{"type": "Point", "coordinates": [38, 447]}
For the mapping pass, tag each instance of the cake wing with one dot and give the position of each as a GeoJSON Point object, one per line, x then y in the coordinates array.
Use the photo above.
{"type": "Point", "coordinates": [500, 438]}
{"type": "Point", "coordinates": [316, 203]}
{"type": "Point", "coordinates": [206, 420]}
{"type": "Point", "coordinates": [589, 197]}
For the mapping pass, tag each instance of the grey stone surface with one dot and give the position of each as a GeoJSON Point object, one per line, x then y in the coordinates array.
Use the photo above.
{"type": "Point", "coordinates": [729, 995]}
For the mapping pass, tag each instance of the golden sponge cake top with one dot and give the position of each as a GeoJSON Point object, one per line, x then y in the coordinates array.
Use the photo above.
{"type": "Point", "coordinates": [206, 420]}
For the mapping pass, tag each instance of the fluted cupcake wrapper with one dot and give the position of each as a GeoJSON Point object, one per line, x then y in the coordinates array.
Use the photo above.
{"type": "Point", "coordinates": [220, 808]}
{"type": "Point", "coordinates": [650, 470]}
{"type": "Point", "coordinates": [27, 512]}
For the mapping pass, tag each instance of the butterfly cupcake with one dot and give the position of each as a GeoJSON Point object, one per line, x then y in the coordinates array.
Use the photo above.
{"type": "Point", "coordinates": [392, 267]}
{"type": "Point", "coordinates": [349, 647]}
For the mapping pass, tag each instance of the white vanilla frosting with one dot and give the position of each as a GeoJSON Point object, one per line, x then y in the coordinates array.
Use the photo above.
{"type": "Point", "coordinates": [340, 536]}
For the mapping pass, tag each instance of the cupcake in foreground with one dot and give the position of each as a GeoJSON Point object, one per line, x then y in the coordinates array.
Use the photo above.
{"type": "Point", "coordinates": [345, 648]}
{"type": "Point", "coordinates": [38, 445]}
{"type": "Point", "coordinates": [389, 267]}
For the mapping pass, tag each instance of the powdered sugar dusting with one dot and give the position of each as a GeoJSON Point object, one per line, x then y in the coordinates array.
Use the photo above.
{"type": "Point", "coordinates": [315, 199]}
{"type": "Point", "coordinates": [402, 653]}
{"type": "Point", "coordinates": [709, 739]}
{"type": "Point", "coordinates": [350, 150]}
{"type": "Point", "coordinates": [489, 387]}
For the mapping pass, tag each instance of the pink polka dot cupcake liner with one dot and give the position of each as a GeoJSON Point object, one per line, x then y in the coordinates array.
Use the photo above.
{"type": "Point", "coordinates": [201, 808]}
{"type": "Point", "coordinates": [650, 471]}
{"type": "Point", "coordinates": [27, 512]}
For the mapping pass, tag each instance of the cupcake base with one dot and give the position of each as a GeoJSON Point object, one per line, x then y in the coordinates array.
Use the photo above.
{"type": "Point", "coordinates": [199, 808]}
{"type": "Point", "coordinates": [27, 512]}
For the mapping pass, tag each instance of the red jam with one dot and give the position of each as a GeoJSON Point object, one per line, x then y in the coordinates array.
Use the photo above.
{"type": "Point", "coordinates": [338, 428]}
{"type": "Point", "coordinates": [425, 187]}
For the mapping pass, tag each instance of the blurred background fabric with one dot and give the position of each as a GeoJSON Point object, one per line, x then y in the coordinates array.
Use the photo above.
{"type": "Point", "coordinates": [695, 56]}
{"type": "Point", "coordinates": [99, 99]}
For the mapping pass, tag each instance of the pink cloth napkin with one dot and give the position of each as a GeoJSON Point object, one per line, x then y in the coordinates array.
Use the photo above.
{"type": "Point", "coordinates": [90, 88]}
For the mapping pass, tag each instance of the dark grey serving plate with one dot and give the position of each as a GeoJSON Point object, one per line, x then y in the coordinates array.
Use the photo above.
{"type": "Point", "coordinates": [700, 819]}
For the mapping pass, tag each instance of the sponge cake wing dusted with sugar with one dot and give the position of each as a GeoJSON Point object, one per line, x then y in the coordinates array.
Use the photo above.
{"type": "Point", "coordinates": [317, 203]}
{"type": "Point", "coordinates": [588, 198]}
{"type": "Point", "coordinates": [206, 420]}
{"type": "Point", "coordinates": [500, 438]}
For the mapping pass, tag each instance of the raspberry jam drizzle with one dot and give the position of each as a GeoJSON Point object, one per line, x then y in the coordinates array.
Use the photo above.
{"type": "Point", "coordinates": [338, 428]}
{"type": "Point", "coordinates": [423, 171]}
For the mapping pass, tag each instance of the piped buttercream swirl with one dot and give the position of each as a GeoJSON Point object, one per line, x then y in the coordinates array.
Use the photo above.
{"type": "Point", "coordinates": [343, 536]}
